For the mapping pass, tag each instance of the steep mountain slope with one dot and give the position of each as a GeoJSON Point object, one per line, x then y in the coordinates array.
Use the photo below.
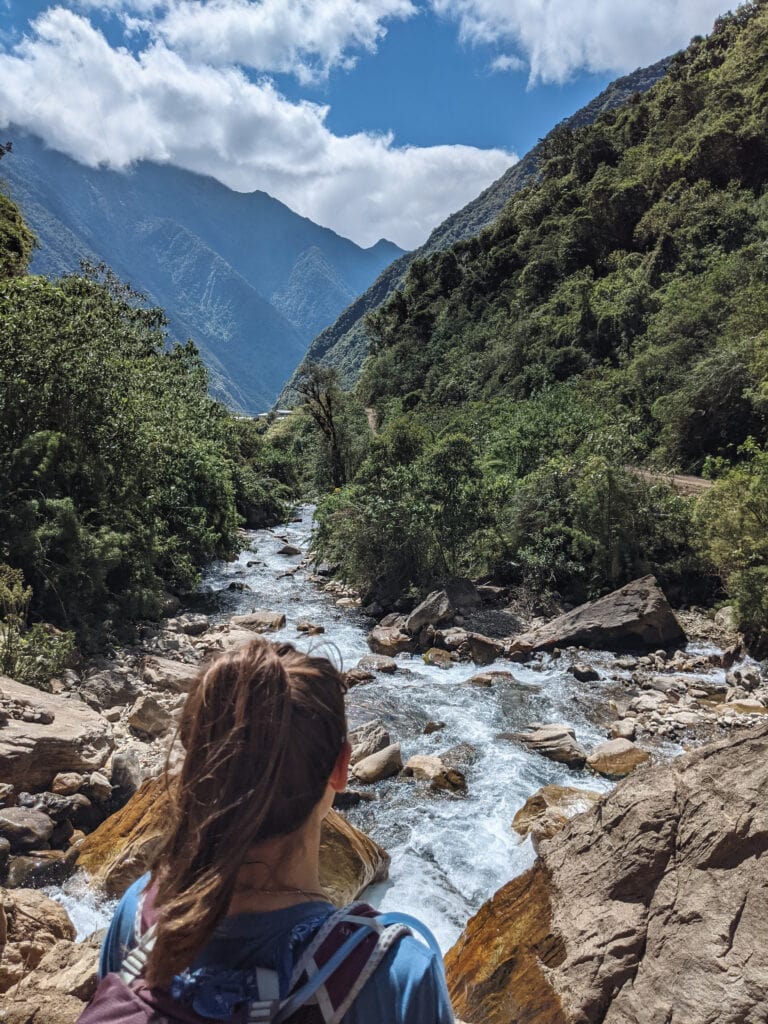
{"type": "Point", "coordinates": [344, 344]}
{"type": "Point", "coordinates": [247, 279]}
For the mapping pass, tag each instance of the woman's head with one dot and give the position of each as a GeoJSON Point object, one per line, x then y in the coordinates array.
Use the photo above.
{"type": "Point", "coordinates": [262, 729]}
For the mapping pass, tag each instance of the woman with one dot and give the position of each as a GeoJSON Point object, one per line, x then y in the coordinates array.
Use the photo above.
{"type": "Point", "coordinates": [236, 886]}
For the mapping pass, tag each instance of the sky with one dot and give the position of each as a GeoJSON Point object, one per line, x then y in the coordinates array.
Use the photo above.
{"type": "Point", "coordinates": [377, 118]}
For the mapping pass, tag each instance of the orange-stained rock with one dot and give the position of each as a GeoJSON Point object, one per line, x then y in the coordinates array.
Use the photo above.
{"type": "Point", "coordinates": [651, 906]}
{"type": "Point", "coordinates": [550, 809]}
{"type": "Point", "coordinates": [123, 847]}
{"type": "Point", "coordinates": [497, 970]}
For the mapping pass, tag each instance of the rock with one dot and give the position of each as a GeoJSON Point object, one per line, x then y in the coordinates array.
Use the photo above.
{"type": "Point", "coordinates": [149, 717]}
{"type": "Point", "coordinates": [67, 969]}
{"type": "Point", "coordinates": [484, 650]}
{"type": "Point", "coordinates": [377, 663]}
{"type": "Point", "coordinates": [25, 829]}
{"type": "Point", "coordinates": [727, 619]}
{"type": "Point", "coordinates": [289, 549]}
{"type": "Point", "coordinates": [193, 624]}
{"type": "Point", "coordinates": [747, 677]}
{"type": "Point", "coordinates": [76, 808]}
{"type": "Point", "coordinates": [165, 674]}
{"type": "Point", "coordinates": [434, 610]}
{"type": "Point", "coordinates": [368, 739]}
{"type": "Point", "coordinates": [616, 758]}
{"type": "Point", "coordinates": [125, 775]}
{"type": "Point", "coordinates": [650, 907]}
{"type": "Point", "coordinates": [347, 602]}
{"type": "Point", "coordinates": [34, 923]}
{"type": "Point", "coordinates": [452, 639]}
{"type": "Point", "coordinates": [358, 676]}
{"type": "Point", "coordinates": [47, 867]}
{"type": "Point", "coordinates": [171, 605]}
{"type": "Point", "coordinates": [381, 765]}
{"type": "Point", "coordinates": [584, 673]}
{"type": "Point", "coordinates": [7, 794]}
{"type": "Point", "coordinates": [390, 640]}
{"type": "Point", "coordinates": [488, 679]}
{"type": "Point", "coordinates": [394, 619]}
{"type": "Point", "coordinates": [460, 756]}
{"type": "Point", "coordinates": [238, 585]}
{"type": "Point", "coordinates": [438, 658]}
{"type": "Point", "coordinates": [742, 707]}
{"type": "Point", "coordinates": [223, 639]}
{"type": "Point", "coordinates": [432, 769]}
{"type": "Point", "coordinates": [72, 737]}
{"type": "Point", "coordinates": [310, 628]}
{"type": "Point", "coordinates": [636, 617]}
{"type": "Point", "coordinates": [122, 849]}
{"type": "Point", "coordinates": [67, 783]}
{"type": "Point", "coordinates": [109, 688]}
{"type": "Point", "coordinates": [260, 621]}
{"type": "Point", "coordinates": [5, 853]}
{"type": "Point", "coordinates": [550, 809]}
{"type": "Point", "coordinates": [431, 727]}
{"type": "Point", "coordinates": [98, 787]}
{"type": "Point", "coordinates": [350, 861]}
{"type": "Point", "coordinates": [325, 569]}
{"type": "Point", "coordinates": [556, 742]}
{"type": "Point", "coordinates": [624, 729]}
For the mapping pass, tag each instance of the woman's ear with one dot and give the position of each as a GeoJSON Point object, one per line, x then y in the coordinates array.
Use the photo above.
{"type": "Point", "coordinates": [340, 773]}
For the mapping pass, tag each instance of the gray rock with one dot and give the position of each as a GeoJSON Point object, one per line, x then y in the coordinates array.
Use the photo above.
{"type": "Point", "coordinates": [584, 673]}
{"type": "Point", "coordinates": [435, 609]}
{"type": "Point", "coordinates": [381, 765]}
{"type": "Point", "coordinates": [260, 620]}
{"type": "Point", "coordinates": [555, 742]}
{"type": "Point", "coordinates": [125, 775]}
{"type": "Point", "coordinates": [368, 739]}
{"type": "Point", "coordinates": [109, 688]}
{"type": "Point", "coordinates": [149, 717]}
{"type": "Point", "coordinates": [193, 624]}
{"type": "Point", "coordinates": [377, 663]}
{"type": "Point", "coordinates": [25, 829]}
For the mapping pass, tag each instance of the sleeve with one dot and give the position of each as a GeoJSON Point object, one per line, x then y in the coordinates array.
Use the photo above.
{"type": "Point", "coordinates": [408, 987]}
{"type": "Point", "coordinates": [121, 936]}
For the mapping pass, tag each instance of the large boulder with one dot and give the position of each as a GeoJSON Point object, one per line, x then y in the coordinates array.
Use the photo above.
{"type": "Point", "coordinates": [616, 758]}
{"type": "Point", "coordinates": [368, 739]}
{"type": "Point", "coordinates": [109, 688]}
{"type": "Point", "coordinates": [390, 640]}
{"type": "Point", "coordinates": [550, 809]}
{"type": "Point", "coordinates": [637, 617]}
{"type": "Point", "coordinates": [434, 610]}
{"type": "Point", "coordinates": [124, 847]}
{"type": "Point", "coordinates": [65, 735]}
{"type": "Point", "coordinates": [381, 765]}
{"type": "Point", "coordinates": [556, 742]}
{"type": "Point", "coordinates": [260, 621]}
{"type": "Point", "coordinates": [166, 674]}
{"type": "Point", "coordinates": [30, 925]}
{"type": "Point", "coordinates": [650, 907]}
{"type": "Point", "coordinates": [432, 769]}
{"type": "Point", "coordinates": [58, 989]}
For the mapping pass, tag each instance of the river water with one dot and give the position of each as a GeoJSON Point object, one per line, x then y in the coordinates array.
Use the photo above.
{"type": "Point", "coordinates": [449, 853]}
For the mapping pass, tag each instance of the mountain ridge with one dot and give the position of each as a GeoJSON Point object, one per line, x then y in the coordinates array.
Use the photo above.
{"type": "Point", "coordinates": [250, 281]}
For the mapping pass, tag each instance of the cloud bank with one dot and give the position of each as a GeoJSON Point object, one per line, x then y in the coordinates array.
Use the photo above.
{"type": "Point", "coordinates": [560, 37]}
{"type": "Point", "coordinates": [109, 106]}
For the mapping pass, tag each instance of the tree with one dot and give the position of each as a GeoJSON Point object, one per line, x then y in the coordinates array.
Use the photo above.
{"type": "Point", "coordinates": [323, 399]}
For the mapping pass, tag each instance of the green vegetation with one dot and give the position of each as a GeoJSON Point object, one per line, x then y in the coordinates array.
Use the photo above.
{"type": "Point", "coordinates": [615, 315]}
{"type": "Point", "coordinates": [121, 477]}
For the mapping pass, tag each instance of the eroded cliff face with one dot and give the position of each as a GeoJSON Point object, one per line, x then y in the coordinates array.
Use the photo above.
{"type": "Point", "coordinates": [650, 908]}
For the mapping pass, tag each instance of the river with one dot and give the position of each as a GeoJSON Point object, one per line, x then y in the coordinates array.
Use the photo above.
{"type": "Point", "coordinates": [449, 853]}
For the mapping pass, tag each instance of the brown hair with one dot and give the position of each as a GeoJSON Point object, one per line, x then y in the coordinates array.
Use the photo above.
{"type": "Point", "coordinates": [262, 729]}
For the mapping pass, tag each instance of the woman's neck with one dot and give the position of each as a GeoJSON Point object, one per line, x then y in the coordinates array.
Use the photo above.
{"type": "Point", "coordinates": [280, 873]}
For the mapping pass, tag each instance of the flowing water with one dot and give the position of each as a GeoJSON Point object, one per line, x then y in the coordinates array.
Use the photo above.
{"type": "Point", "coordinates": [449, 853]}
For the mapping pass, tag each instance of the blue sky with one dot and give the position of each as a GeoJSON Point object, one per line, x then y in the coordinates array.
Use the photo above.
{"type": "Point", "coordinates": [375, 117]}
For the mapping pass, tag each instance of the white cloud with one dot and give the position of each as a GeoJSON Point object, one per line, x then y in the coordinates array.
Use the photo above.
{"type": "Point", "coordinates": [561, 37]}
{"type": "Point", "coordinates": [507, 62]}
{"type": "Point", "coordinates": [105, 105]}
{"type": "Point", "coordinates": [308, 37]}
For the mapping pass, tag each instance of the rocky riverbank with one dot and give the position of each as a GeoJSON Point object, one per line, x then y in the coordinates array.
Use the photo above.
{"type": "Point", "coordinates": [452, 702]}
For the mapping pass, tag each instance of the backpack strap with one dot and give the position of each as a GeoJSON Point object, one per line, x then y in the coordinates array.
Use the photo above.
{"type": "Point", "coordinates": [134, 963]}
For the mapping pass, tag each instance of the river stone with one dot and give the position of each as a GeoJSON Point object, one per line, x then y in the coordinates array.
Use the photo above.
{"type": "Point", "coordinates": [390, 640]}
{"type": "Point", "coordinates": [25, 829]}
{"type": "Point", "coordinates": [484, 649]}
{"type": "Point", "coordinates": [149, 717]}
{"type": "Point", "coordinates": [550, 809]}
{"type": "Point", "coordinates": [72, 737]}
{"type": "Point", "coordinates": [584, 673]}
{"type": "Point", "coordinates": [623, 729]}
{"type": "Point", "coordinates": [46, 867]}
{"type": "Point", "coordinates": [33, 925]}
{"type": "Point", "coordinates": [636, 617]}
{"type": "Point", "coordinates": [381, 765]}
{"type": "Point", "coordinates": [431, 727]}
{"type": "Point", "coordinates": [125, 775]}
{"type": "Point", "coordinates": [368, 739]}
{"type": "Point", "coordinates": [176, 676]}
{"type": "Point", "coordinates": [67, 783]}
{"type": "Point", "coordinates": [460, 756]}
{"type": "Point", "coordinates": [109, 688]}
{"type": "Point", "coordinates": [556, 742]}
{"type": "Point", "coordinates": [488, 679]}
{"type": "Point", "coordinates": [377, 663]}
{"type": "Point", "coordinates": [57, 991]}
{"type": "Point", "coordinates": [434, 610]}
{"type": "Point", "coordinates": [310, 628]}
{"type": "Point", "coordinates": [432, 769]}
{"type": "Point", "coordinates": [616, 758]}
{"type": "Point", "coordinates": [358, 676]}
{"type": "Point", "coordinates": [438, 658]}
{"type": "Point", "coordinates": [193, 623]}
{"type": "Point", "coordinates": [289, 549]}
{"type": "Point", "coordinates": [260, 621]}
{"type": "Point", "coordinates": [650, 907]}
